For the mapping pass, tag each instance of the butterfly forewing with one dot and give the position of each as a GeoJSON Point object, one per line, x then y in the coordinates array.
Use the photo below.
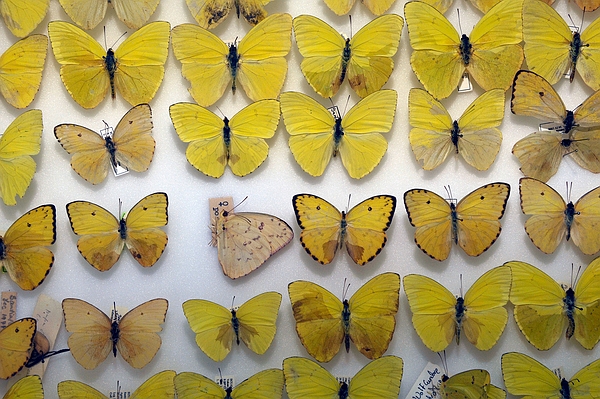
{"type": "Point", "coordinates": [268, 382]}
{"type": "Point", "coordinates": [524, 375]}
{"type": "Point", "coordinates": [16, 342]}
{"type": "Point", "coordinates": [77, 390]}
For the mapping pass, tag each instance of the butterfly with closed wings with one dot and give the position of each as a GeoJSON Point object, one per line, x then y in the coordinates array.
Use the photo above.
{"type": "Point", "coordinates": [257, 62]}
{"type": "Point", "coordinates": [365, 60]}
{"type": "Point", "coordinates": [316, 135]}
{"type": "Point", "coordinates": [89, 13]}
{"type": "Point", "coordinates": [551, 219]}
{"type": "Point", "coordinates": [131, 146]}
{"type": "Point", "coordinates": [135, 68]}
{"type": "Point", "coordinates": [543, 308]}
{"type": "Point", "coordinates": [217, 327]}
{"type": "Point", "coordinates": [362, 230]}
{"type": "Point", "coordinates": [266, 384]}
{"type": "Point", "coordinates": [215, 143]}
{"type": "Point", "coordinates": [576, 133]}
{"type": "Point", "coordinates": [159, 386]}
{"type": "Point", "coordinates": [491, 54]}
{"type": "Point", "coordinates": [380, 378]}
{"type": "Point", "coordinates": [95, 335]}
{"type": "Point", "coordinates": [368, 318]}
{"type": "Point", "coordinates": [473, 223]}
{"type": "Point", "coordinates": [103, 236]}
{"type": "Point", "coordinates": [438, 316]}
{"type": "Point", "coordinates": [210, 13]}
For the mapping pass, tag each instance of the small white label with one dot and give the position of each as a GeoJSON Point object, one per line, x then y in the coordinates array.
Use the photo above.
{"type": "Point", "coordinates": [335, 112]}
{"type": "Point", "coordinates": [465, 84]}
{"type": "Point", "coordinates": [117, 168]}
{"type": "Point", "coordinates": [343, 379]}
{"type": "Point", "coordinates": [551, 127]}
{"type": "Point", "coordinates": [427, 384]}
{"type": "Point", "coordinates": [225, 382]}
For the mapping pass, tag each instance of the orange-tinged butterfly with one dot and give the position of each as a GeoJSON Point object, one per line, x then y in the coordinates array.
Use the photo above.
{"type": "Point", "coordinates": [103, 236]}
{"type": "Point", "coordinates": [95, 335]}
{"type": "Point", "coordinates": [16, 341]}
{"type": "Point", "coordinates": [130, 146]}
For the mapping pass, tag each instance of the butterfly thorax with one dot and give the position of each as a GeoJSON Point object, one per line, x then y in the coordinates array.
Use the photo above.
{"type": "Point", "coordinates": [569, 215]}
{"type": "Point", "coordinates": [455, 135]}
{"type": "Point", "coordinates": [228, 393]}
{"type": "Point", "coordinates": [338, 133]}
{"type": "Point", "coordinates": [114, 336]}
{"type": "Point", "coordinates": [2, 249]}
{"type": "Point", "coordinates": [569, 123]}
{"type": "Point", "coordinates": [565, 389]}
{"type": "Point", "coordinates": [460, 313]}
{"type": "Point", "coordinates": [454, 216]}
{"type": "Point", "coordinates": [569, 307]}
{"type": "Point", "coordinates": [574, 51]}
{"type": "Point", "coordinates": [111, 64]}
{"type": "Point", "coordinates": [111, 148]}
{"type": "Point", "coordinates": [343, 392]}
{"type": "Point", "coordinates": [233, 61]}
{"type": "Point", "coordinates": [235, 323]}
{"type": "Point", "coordinates": [346, 324]}
{"type": "Point", "coordinates": [466, 49]}
{"type": "Point", "coordinates": [123, 228]}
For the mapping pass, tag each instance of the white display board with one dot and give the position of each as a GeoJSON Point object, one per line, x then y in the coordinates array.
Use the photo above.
{"type": "Point", "coordinates": [189, 267]}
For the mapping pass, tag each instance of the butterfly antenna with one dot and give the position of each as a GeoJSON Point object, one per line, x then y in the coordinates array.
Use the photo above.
{"type": "Point", "coordinates": [459, 25]}
{"type": "Point", "coordinates": [345, 289]}
{"type": "Point", "coordinates": [232, 301]}
{"type": "Point", "coordinates": [119, 38]}
{"type": "Point", "coordinates": [348, 205]}
{"type": "Point", "coordinates": [105, 45]}
{"type": "Point", "coordinates": [240, 203]}
{"type": "Point", "coordinates": [222, 113]}
{"type": "Point", "coordinates": [346, 106]}
{"type": "Point", "coordinates": [350, 17]}
{"type": "Point", "coordinates": [569, 190]}
{"type": "Point", "coordinates": [461, 286]}
{"type": "Point", "coordinates": [444, 361]}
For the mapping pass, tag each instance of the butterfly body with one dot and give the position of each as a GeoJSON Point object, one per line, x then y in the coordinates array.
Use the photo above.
{"type": "Point", "coordinates": [111, 64]}
{"type": "Point", "coordinates": [233, 63]}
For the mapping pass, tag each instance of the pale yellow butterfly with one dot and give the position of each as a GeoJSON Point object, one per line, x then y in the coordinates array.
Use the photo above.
{"type": "Point", "coordinates": [89, 13]}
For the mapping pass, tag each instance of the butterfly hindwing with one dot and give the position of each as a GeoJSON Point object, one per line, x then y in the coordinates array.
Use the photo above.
{"type": "Point", "coordinates": [22, 17]}
{"type": "Point", "coordinates": [89, 13]}
{"type": "Point", "coordinates": [210, 13]}
{"type": "Point", "coordinates": [16, 342]}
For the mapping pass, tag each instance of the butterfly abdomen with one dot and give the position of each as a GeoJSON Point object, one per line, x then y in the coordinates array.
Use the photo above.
{"type": "Point", "coordinates": [574, 51]}
{"type": "Point", "coordinates": [338, 134]}
{"type": "Point", "coordinates": [460, 313]}
{"type": "Point", "coordinates": [569, 215]}
{"type": "Point", "coordinates": [569, 306]}
{"type": "Point", "coordinates": [455, 220]}
{"type": "Point", "coordinates": [114, 336]}
{"type": "Point", "coordinates": [455, 135]}
{"type": "Point", "coordinates": [233, 61]}
{"type": "Point", "coordinates": [235, 323]}
{"type": "Point", "coordinates": [111, 148]}
{"type": "Point", "coordinates": [466, 49]}
{"type": "Point", "coordinates": [346, 55]}
{"type": "Point", "coordinates": [123, 228]}
{"type": "Point", "coordinates": [346, 324]}
{"type": "Point", "coordinates": [111, 64]}
{"type": "Point", "coordinates": [226, 137]}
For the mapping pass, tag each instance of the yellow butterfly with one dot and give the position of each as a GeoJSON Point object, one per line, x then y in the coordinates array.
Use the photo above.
{"type": "Point", "coordinates": [380, 378]}
{"type": "Point", "coordinates": [130, 146]}
{"type": "Point", "coordinates": [21, 69]}
{"type": "Point", "coordinates": [89, 13]}
{"type": "Point", "coordinates": [217, 327]}
{"type": "Point", "coordinates": [361, 230]}
{"type": "Point", "coordinates": [95, 335]}
{"type": "Point", "coordinates": [20, 140]}
{"type": "Point", "coordinates": [438, 316]}
{"type": "Point", "coordinates": [159, 386]}
{"type": "Point", "coordinates": [470, 384]}
{"type": "Point", "coordinates": [316, 134]}
{"type": "Point", "coordinates": [525, 376]}
{"type": "Point", "coordinates": [341, 7]}
{"type": "Point", "coordinates": [16, 341]}
{"type": "Point", "coordinates": [329, 58]}
{"type": "Point", "coordinates": [266, 384]}
{"type": "Point", "coordinates": [551, 49]}
{"type": "Point", "coordinates": [29, 387]}
{"type": "Point", "coordinates": [103, 236]}
{"type": "Point", "coordinates": [216, 143]}
{"type": "Point", "coordinates": [24, 254]}
{"type": "Point", "coordinates": [368, 319]}
{"type": "Point", "coordinates": [23, 16]}
{"type": "Point", "coordinates": [473, 223]}
{"type": "Point", "coordinates": [257, 63]}
{"type": "Point", "coordinates": [246, 240]}
{"type": "Point", "coordinates": [543, 308]}
{"type": "Point", "coordinates": [551, 219]}
{"type": "Point", "coordinates": [210, 13]}
{"type": "Point", "coordinates": [576, 133]}
{"type": "Point", "coordinates": [474, 136]}
{"type": "Point", "coordinates": [136, 68]}
{"type": "Point", "coordinates": [491, 55]}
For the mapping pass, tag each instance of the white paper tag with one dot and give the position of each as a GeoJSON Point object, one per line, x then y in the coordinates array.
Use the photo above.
{"type": "Point", "coordinates": [343, 379]}
{"type": "Point", "coordinates": [551, 127]}
{"type": "Point", "coordinates": [225, 382]}
{"type": "Point", "coordinates": [427, 384]}
{"type": "Point", "coordinates": [119, 393]}
{"type": "Point", "coordinates": [48, 314]}
{"type": "Point", "coordinates": [118, 169]}
{"type": "Point", "coordinates": [465, 84]}
{"type": "Point", "coordinates": [335, 112]}
{"type": "Point", "coordinates": [8, 308]}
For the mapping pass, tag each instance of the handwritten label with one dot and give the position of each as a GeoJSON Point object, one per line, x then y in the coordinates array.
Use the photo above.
{"type": "Point", "coordinates": [8, 308]}
{"type": "Point", "coordinates": [428, 383]}
{"type": "Point", "coordinates": [48, 313]}
{"type": "Point", "coordinates": [217, 206]}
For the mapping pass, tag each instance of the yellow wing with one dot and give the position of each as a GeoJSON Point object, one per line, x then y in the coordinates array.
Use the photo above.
{"type": "Point", "coordinates": [247, 240]}
{"type": "Point", "coordinates": [311, 128]}
{"type": "Point", "coordinates": [25, 256]}
{"type": "Point", "coordinates": [136, 68]}
{"type": "Point", "coordinates": [29, 387]}
{"type": "Point", "coordinates": [474, 136]}
{"type": "Point", "coordinates": [367, 223]}
{"type": "Point", "coordinates": [585, 382]}
{"type": "Point", "coordinates": [305, 378]}
{"type": "Point", "coordinates": [257, 319]}
{"type": "Point", "coordinates": [546, 225]}
{"type": "Point", "coordinates": [258, 63]}
{"type": "Point", "coordinates": [144, 238]}
{"type": "Point", "coordinates": [586, 221]}
{"type": "Point", "coordinates": [90, 341]}
{"type": "Point", "coordinates": [22, 17]}
{"type": "Point", "coordinates": [138, 340]}
{"type": "Point", "coordinates": [538, 305]}
{"type": "Point", "coordinates": [321, 226]}
{"type": "Point", "coordinates": [132, 144]}
{"type": "Point", "coordinates": [587, 297]}
{"type": "Point", "coordinates": [210, 13]}
{"type": "Point", "coordinates": [267, 384]}
{"type": "Point", "coordinates": [89, 13]}
{"type": "Point", "coordinates": [20, 140]}
{"type": "Point", "coordinates": [378, 379]}
{"type": "Point", "coordinates": [431, 215]}
{"type": "Point", "coordinates": [100, 242]}
{"type": "Point", "coordinates": [478, 217]}
{"type": "Point", "coordinates": [159, 386]}
{"type": "Point", "coordinates": [318, 315]}
{"type": "Point", "coordinates": [470, 384]}
{"type": "Point", "coordinates": [78, 390]}
{"type": "Point", "coordinates": [524, 375]}
{"type": "Point", "coordinates": [16, 341]}
{"type": "Point", "coordinates": [21, 69]}
{"type": "Point", "coordinates": [341, 7]}
{"type": "Point", "coordinates": [195, 386]}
